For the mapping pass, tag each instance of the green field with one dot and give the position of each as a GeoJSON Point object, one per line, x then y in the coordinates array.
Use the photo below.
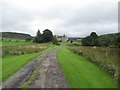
{"type": "Point", "coordinates": [13, 42]}
{"type": "Point", "coordinates": [80, 73]}
{"type": "Point", "coordinates": [11, 64]}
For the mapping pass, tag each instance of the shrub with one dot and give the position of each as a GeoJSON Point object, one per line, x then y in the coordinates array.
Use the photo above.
{"type": "Point", "coordinates": [55, 40]}
{"type": "Point", "coordinates": [91, 40]}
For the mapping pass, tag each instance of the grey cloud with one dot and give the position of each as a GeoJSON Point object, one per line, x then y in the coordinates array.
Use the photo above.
{"type": "Point", "coordinates": [14, 20]}
{"type": "Point", "coordinates": [99, 17]}
{"type": "Point", "coordinates": [92, 14]}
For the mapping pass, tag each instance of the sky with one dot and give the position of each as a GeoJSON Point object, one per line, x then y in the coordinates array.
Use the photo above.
{"type": "Point", "coordinates": [75, 18]}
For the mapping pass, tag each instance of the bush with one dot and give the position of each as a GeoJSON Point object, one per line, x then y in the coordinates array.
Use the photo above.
{"type": "Point", "coordinates": [55, 40]}
{"type": "Point", "coordinates": [103, 40]}
{"type": "Point", "coordinates": [91, 40]}
{"type": "Point", "coordinates": [47, 36]}
{"type": "Point", "coordinates": [28, 39]}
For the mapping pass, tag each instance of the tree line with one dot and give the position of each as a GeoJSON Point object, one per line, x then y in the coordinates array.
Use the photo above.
{"type": "Point", "coordinates": [47, 36]}
{"type": "Point", "coordinates": [103, 40]}
{"type": "Point", "coordinates": [14, 35]}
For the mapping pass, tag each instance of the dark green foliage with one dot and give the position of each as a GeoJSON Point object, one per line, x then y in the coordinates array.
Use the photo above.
{"type": "Point", "coordinates": [112, 40]}
{"type": "Point", "coordinates": [13, 35]}
{"type": "Point", "coordinates": [118, 40]}
{"type": "Point", "coordinates": [94, 35]}
{"type": "Point", "coordinates": [28, 39]}
{"type": "Point", "coordinates": [91, 40]}
{"type": "Point", "coordinates": [86, 41]}
{"type": "Point", "coordinates": [71, 41]}
{"type": "Point", "coordinates": [47, 36]}
{"type": "Point", "coordinates": [38, 38]}
{"type": "Point", "coordinates": [55, 40]}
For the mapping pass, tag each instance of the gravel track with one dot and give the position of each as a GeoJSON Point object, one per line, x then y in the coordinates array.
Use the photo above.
{"type": "Point", "coordinates": [49, 74]}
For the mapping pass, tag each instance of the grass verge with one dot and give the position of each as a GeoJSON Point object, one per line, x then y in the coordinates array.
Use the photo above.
{"type": "Point", "coordinates": [81, 73]}
{"type": "Point", "coordinates": [11, 64]}
{"type": "Point", "coordinates": [35, 73]}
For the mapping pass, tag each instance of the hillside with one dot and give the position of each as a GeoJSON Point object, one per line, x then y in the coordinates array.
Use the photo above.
{"type": "Point", "coordinates": [14, 35]}
{"type": "Point", "coordinates": [109, 39]}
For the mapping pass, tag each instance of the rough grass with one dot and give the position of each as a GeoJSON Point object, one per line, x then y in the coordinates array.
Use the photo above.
{"type": "Point", "coordinates": [23, 49]}
{"type": "Point", "coordinates": [105, 57]}
{"type": "Point", "coordinates": [80, 73]}
{"type": "Point", "coordinates": [11, 64]}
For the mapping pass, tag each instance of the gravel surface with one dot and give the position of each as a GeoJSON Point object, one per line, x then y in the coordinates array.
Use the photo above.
{"type": "Point", "coordinates": [49, 74]}
{"type": "Point", "coordinates": [23, 74]}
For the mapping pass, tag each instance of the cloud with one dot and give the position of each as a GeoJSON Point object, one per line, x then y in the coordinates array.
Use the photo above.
{"type": "Point", "coordinates": [70, 17]}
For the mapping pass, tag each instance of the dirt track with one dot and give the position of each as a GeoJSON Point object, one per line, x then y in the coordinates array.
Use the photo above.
{"type": "Point", "coordinates": [50, 74]}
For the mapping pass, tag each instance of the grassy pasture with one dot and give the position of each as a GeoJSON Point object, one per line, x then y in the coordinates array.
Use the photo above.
{"type": "Point", "coordinates": [23, 49]}
{"type": "Point", "coordinates": [7, 42]}
{"type": "Point", "coordinates": [105, 57]}
{"type": "Point", "coordinates": [15, 57]}
{"type": "Point", "coordinates": [81, 73]}
{"type": "Point", "coordinates": [11, 64]}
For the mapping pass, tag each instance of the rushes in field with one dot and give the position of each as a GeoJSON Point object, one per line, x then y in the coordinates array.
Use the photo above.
{"type": "Point", "coordinates": [23, 49]}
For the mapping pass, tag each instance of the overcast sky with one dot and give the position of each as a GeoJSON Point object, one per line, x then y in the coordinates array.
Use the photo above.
{"type": "Point", "coordinates": [71, 17]}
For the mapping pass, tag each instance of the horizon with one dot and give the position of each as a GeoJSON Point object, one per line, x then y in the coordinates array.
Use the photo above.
{"type": "Point", "coordinates": [75, 18]}
{"type": "Point", "coordinates": [63, 34]}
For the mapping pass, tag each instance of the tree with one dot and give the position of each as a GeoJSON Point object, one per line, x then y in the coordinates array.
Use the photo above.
{"type": "Point", "coordinates": [118, 40]}
{"type": "Point", "coordinates": [86, 41]}
{"type": "Point", "coordinates": [55, 40]}
{"type": "Point", "coordinates": [91, 40]}
{"type": "Point", "coordinates": [28, 39]}
{"type": "Point", "coordinates": [94, 35]}
{"type": "Point", "coordinates": [71, 41]}
{"type": "Point", "coordinates": [47, 36]}
{"type": "Point", "coordinates": [38, 38]}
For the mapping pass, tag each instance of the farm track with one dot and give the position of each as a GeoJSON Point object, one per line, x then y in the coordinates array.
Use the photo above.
{"type": "Point", "coordinates": [23, 74]}
{"type": "Point", "coordinates": [49, 73]}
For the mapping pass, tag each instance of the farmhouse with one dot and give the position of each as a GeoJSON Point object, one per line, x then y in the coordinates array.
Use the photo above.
{"type": "Point", "coordinates": [64, 38]}
{"type": "Point", "coordinates": [74, 39]}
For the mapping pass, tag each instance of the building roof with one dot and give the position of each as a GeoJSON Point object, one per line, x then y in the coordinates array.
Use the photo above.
{"type": "Point", "coordinates": [59, 36]}
{"type": "Point", "coordinates": [74, 38]}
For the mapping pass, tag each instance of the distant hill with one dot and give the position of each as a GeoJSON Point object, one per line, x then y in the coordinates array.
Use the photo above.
{"type": "Point", "coordinates": [109, 35]}
{"type": "Point", "coordinates": [112, 40]}
{"type": "Point", "coordinates": [14, 35]}
{"type": "Point", "coordinates": [109, 39]}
